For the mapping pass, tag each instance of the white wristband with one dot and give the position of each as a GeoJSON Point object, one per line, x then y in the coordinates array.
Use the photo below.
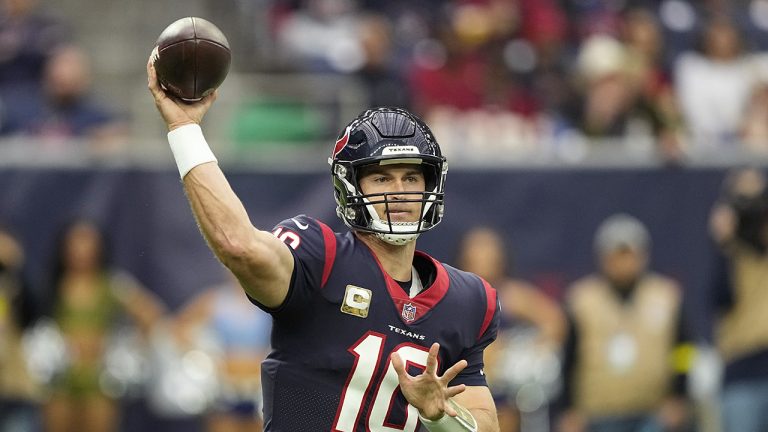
{"type": "Point", "coordinates": [463, 422]}
{"type": "Point", "coordinates": [189, 148]}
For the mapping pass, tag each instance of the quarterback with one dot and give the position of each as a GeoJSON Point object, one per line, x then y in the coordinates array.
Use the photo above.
{"type": "Point", "coordinates": [369, 334]}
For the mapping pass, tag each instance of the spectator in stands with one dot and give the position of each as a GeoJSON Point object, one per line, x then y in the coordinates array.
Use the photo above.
{"type": "Point", "coordinates": [383, 82]}
{"type": "Point", "coordinates": [482, 252]}
{"type": "Point", "coordinates": [641, 34]}
{"type": "Point", "coordinates": [739, 225]}
{"type": "Point", "coordinates": [28, 36]}
{"type": "Point", "coordinates": [88, 298]}
{"type": "Point", "coordinates": [453, 73]}
{"type": "Point", "coordinates": [63, 109]}
{"type": "Point", "coordinates": [462, 83]}
{"type": "Point", "coordinates": [714, 86]}
{"type": "Point", "coordinates": [544, 24]}
{"type": "Point", "coordinates": [242, 333]}
{"type": "Point", "coordinates": [606, 90]}
{"type": "Point", "coordinates": [625, 324]}
{"type": "Point", "coordinates": [20, 395]}
{"type": "Point", "coordinates": [322, 36]}
{"type": "Point", "coordinates": [611, 103]}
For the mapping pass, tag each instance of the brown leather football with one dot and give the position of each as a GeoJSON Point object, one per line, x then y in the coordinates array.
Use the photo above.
{"type": "Point", "coordinates": [192, 58]}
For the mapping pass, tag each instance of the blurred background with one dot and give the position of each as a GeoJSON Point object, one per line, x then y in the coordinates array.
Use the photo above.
{"type": "Point", "coordinates": [607, 176]}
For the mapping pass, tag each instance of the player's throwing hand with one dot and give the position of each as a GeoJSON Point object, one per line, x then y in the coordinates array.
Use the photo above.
{"type": "Point", "coordinates": [429, 392]}
{"type": "Point", "coordinates": [175, 112]}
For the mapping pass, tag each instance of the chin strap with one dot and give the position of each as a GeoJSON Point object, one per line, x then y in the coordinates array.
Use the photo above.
{"type": "Point", "coordinates": [395, 238]}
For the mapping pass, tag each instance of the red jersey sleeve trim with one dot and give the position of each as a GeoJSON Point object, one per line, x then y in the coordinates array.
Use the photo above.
{"type": "Point", "coordinates": [329, 239]}
{"type": "Point", "coordinates": [490, 298]}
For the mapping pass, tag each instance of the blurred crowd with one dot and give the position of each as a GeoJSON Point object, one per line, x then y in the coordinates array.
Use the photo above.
{"type": "Point", "coordinates": [45, 86]}
{"type": "Point", "coordinates": [549, 78]}
{"type": "Point", "coordinates": [669, 81]}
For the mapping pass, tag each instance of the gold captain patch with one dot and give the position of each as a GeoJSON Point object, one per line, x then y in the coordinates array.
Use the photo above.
{"type": "Point", "coordinates": [356, 301]}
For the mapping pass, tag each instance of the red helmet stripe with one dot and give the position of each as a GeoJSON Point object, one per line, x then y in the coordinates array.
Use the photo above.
{"type": "Point", "coordinates": [341, 143]}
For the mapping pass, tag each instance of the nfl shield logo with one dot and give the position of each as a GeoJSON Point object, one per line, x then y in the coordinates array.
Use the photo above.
{"type": "Point", "coordinates": [409, 312]}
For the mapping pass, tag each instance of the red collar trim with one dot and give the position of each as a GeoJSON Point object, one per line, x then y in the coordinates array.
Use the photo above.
{"type": "Point", "coordinates": [409, 309]}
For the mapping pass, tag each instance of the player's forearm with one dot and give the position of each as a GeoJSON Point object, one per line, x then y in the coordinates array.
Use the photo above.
{"type": "Point", "coordinates": [487, 420]}
{"type": "Point", "coordinates": [479, 402]}
{"type": "Point", "coordinates": [466, 420]}
{"type": "Point", "coordinates": [219, 213]}
{"type": "Point", "coordinates": [261, 262]}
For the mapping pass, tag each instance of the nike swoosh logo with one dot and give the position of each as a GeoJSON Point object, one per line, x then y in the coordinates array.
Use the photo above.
{"type": "Point", "coordinates": [299, 224]}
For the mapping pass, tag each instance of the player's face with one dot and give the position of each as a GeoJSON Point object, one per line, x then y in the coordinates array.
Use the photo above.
{"type": "Point", "coordinates": [402, 182]}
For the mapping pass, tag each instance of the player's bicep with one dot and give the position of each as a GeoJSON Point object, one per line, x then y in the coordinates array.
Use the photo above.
{"type": "Point", "coordinates": [265, 275]}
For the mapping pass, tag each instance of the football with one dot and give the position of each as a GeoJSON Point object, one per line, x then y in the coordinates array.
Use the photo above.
{"type": "Point", "coordinates": [192, 58]}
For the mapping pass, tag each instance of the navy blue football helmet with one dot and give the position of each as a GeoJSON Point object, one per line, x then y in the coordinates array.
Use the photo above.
{"type": "Point", "coordinates": [383, 136]}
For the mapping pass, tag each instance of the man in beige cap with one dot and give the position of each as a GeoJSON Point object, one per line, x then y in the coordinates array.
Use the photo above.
{"type": "Point", "coordinates": [625, 323]}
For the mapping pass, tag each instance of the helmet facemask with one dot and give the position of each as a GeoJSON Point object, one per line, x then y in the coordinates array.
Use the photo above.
{"type": "Point", "coordinates": [358, 212]}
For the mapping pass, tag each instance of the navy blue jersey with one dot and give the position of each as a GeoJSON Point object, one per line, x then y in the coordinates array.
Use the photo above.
{"type": "Point", "coordinates": [332, 337]}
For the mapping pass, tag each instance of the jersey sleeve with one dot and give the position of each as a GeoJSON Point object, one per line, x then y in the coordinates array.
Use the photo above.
{"type": "Point", "coordinates": [473, 374]}
{"type": "Point", "coordinates": [313, 246]}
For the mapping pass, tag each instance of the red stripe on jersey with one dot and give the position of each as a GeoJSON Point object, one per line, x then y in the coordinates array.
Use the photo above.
{"type": "Point", "coordinates": [329, 239]}
{"type": "Point", "coordinates": [490, 298]}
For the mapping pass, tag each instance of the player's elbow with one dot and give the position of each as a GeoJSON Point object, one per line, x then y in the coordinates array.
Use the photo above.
{"type": "Point", "coordinates": [231, 249]}
{"type": "Point", "coordinates": [246, 255]}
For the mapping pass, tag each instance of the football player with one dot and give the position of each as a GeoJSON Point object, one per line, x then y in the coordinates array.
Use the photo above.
{"type": "Point", "coordinates": [369, 334]}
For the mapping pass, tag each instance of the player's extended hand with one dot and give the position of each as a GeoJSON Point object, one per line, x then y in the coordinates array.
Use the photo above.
{"type": "Point", "coordinates": [175, 112]}
{"type": "Point", "coordinates": [428, 392]}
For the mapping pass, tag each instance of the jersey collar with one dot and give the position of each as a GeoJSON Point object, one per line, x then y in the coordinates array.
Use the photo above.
{"type": "Point", "coordinates": [411, 310]}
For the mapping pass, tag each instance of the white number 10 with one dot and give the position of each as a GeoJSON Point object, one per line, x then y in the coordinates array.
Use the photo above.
{"type": "Point", "coordinates": [368, 354]}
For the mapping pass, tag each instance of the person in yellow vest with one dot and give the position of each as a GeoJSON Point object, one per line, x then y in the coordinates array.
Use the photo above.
{"type": "Point", "coordinates": [625, 323]}
{"type": "Point", "coordinates": [739, 225]}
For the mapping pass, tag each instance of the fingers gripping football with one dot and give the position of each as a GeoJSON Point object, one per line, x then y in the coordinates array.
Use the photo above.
{"type": "Point", "coordinates": [176, 113]}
